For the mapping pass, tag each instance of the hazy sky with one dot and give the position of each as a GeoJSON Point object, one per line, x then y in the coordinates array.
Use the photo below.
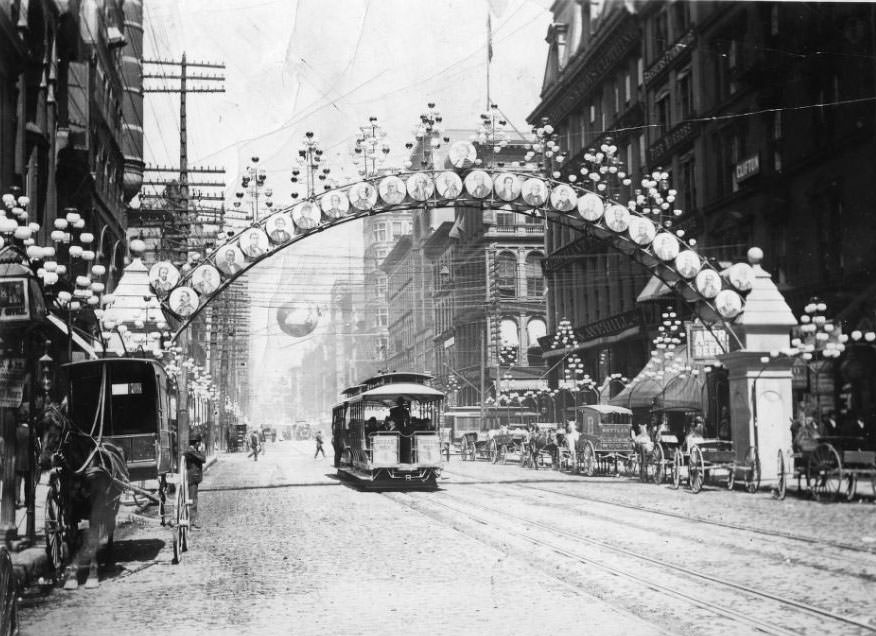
{"type": "Point", "coordinates": [326, 66]}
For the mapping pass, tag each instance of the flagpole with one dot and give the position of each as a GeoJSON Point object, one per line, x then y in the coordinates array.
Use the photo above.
{"type": "Point", "coordinates": [489, 54]}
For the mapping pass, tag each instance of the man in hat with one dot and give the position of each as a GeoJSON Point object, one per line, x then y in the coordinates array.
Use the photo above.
{"type": "Point", "coordinates": [195, 460]}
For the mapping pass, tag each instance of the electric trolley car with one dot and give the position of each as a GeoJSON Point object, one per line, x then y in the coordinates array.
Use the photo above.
{"type": "Point", "coordinates": [385, 432]}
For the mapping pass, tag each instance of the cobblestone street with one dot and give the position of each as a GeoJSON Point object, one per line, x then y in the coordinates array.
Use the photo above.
{"type": "Point", "coordinates": [285, 548]}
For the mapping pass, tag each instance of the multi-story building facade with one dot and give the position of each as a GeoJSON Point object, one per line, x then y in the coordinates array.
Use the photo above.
{"type": "Point", "coordinates": [488, 307]}
{"type": "Point", "coordinates": [71, 111]}
{"type": "Point", "coordinates": [766, 143]}
{"type": "Point", "coordinates": [380, 232]}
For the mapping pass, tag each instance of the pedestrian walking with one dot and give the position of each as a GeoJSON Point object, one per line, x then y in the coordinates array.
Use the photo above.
{"type": "Point", "coordinates": [195, 460]}
{"type": "Point", "coordinates": [319, 448]}
{"type": "Point", "coordinates": [254, 445]}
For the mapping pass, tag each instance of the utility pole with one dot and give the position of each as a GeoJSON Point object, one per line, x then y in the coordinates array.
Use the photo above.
{"type": "Point", "coordinates": [185, 208]}
{"type": "Point", "coordinates": [183, 170]}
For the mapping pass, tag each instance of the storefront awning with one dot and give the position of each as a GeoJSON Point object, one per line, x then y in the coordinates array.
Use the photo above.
{"type": "Point", "coordinates": [89, 349]}
{"type": "Point", "coordinates": [664, 384]}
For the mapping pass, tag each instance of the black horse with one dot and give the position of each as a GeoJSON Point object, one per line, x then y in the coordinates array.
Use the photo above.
{"type": "Point", "coordinates": [92, 475]}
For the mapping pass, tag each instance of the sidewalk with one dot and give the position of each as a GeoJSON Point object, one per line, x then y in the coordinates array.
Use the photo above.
{"type": "Point", "coordinates": [31, 563]}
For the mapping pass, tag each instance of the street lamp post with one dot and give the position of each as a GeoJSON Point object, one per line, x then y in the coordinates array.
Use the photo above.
{"type": "Point", "coordinates": [252, 183]}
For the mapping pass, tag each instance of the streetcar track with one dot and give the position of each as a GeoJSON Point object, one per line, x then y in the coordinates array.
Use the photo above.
{"type": "Point", "coordinates": [811, 609]}
{"type": "Point", "coordinates": [846, 558]}
{"type": "Point", "coordinates": [678, 515]}
{"type": "Point", "coordinates": [648, 583]}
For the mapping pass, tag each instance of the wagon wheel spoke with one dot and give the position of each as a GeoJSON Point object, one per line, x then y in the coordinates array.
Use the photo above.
{"type": "Point", "coordinates": [781, 478]}
{"type": "Point", "coordinates": [696, 469]}
{"type": "Point", "coordinates": [752, 470]}
{"type": "Point", "coordinates": [828, 472]}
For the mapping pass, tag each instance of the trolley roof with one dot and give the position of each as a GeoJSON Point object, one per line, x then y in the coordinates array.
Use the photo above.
{"type": "Point", "coordinates": [391, 393]}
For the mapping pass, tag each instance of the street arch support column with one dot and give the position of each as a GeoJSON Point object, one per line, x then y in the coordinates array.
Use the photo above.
{"type": "Point", "coordinates": [761, 402]}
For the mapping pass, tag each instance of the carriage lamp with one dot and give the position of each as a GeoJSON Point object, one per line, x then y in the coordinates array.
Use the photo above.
{"type": "Point", "coordinates": [47, 371]}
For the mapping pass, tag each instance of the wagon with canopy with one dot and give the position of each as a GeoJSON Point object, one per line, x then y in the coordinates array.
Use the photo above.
{"type": "Point", "coordinates": [605, 444]}
{"type": "Point", "coordinates": [128, 405]}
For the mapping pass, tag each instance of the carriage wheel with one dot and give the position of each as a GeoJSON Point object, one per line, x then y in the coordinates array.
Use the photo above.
{"type": "Point", "coordinates": [8, 596]}
{"type": "Point", "coordinates": [57, 528]}
{"type": "Point", "coordinates": [828, 472]}
{"type": "Point", "coordinates": [494, 451]}
{"type": "Point", "coordinates": [658, 457]}
{"type": "Point", "coordinates": [677, 462]}
{"type": "Point", "coordinates": [782, 481]}
{"type": "Point", "coordinates": [696, 470]}
{"type": "Point", "coordinates": [181, 529]}
{"type": "Point", "coordinates": [588, 459]}
{"type": "Point", "coordinates": [851, 486]}
{"type": "Point", "coordinates": [752, 470]}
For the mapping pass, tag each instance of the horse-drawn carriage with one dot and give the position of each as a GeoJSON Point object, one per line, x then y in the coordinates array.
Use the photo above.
{"type": "Point", "coordinates": [703, 459]}
{"type": "Point", "coordinates": [118, 427]}
{"type": "Point", "coordinates": [493, 434]}
{"type": "Point", "coordinates": [493, 445]}
{"type": "Point", "coordinates": [831, 466]}
{"type": "Point", "coordinates": [605, 444]}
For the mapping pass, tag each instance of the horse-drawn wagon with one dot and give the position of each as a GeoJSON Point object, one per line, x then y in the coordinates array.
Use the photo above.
{"type": "Point", "coordinates": [605, 444]}
{"type": "Point", "coordinates": [118, 426]}
{"type": "Point", "coordinates": [493, 434]}
{"type": "Point", "coordinates": [832, 466]}
{"type": "Point", "coordinates": [704, 459]}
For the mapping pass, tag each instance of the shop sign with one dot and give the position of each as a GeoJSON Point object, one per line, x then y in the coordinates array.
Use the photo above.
{"type": "Point", "coordinates": [678, 136]}
{"type": "Point", "coordinates": [13, 372]}
{"type": "Point", "coordinates": [518, 384]}
{"type": "Point", "coordinates": [747, 168]}
{"type": "Point", "coordinates": [705, 345]}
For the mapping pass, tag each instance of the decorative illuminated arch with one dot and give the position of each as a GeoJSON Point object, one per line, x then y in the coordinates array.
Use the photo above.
{"type": "Point", "coordinates": [716, 297]}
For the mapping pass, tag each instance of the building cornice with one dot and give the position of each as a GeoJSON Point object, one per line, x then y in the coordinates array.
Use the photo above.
{"type": "Point", "coordinates": [588, 67]}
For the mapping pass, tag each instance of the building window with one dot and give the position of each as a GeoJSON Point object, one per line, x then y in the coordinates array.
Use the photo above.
{"type": "Point", "coordinates": [616, 99]}
{"type": "Point", "coordinates": [627, 88]}
{"type": "Point", "coordinates": [685, 95]}
{"type": "Point", "coordinates": [640, 71]}
{"type": "Point", "coordinates": [643, 161]}
{"type": "Point", "coordinates": [378, 233]}
{"type": "Point", "coordinates": [662, 112]}
{"type": "Point", "coordinates": [381, 288]}
{"type": "Point", "coordinates": [535, 329]}
{"type": "Point", "coordinates": [661, 34]}
{"type": "Point", "coordinates": [592, 113]}
{"type": "Point", "coordinates": [382, 316]}
{"type": "Point", "coordinates": [396, 229]}
{"type": "Point", "coordinates": [506, 274]}
{"type": "Point", "coordinates": [504, 218]}
{"type": "Point", "coordinates": [774, 19]}
{"type": "Point", "coordinates": [681, 14]}
{"type": "Point", "coordinates": [534, 275]}
{"type": "Point", "coordinates": [688, 183]}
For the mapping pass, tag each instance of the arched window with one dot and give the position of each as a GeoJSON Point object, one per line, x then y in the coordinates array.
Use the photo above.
{"type": "Point", "coordinates": [534, 276]}
{"type": "Point", "coordinates": [510, 341]}
{"type": "Point", "coordinates": [535, 329]}
{"type": "Point", "coordinates": [506, 274]}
